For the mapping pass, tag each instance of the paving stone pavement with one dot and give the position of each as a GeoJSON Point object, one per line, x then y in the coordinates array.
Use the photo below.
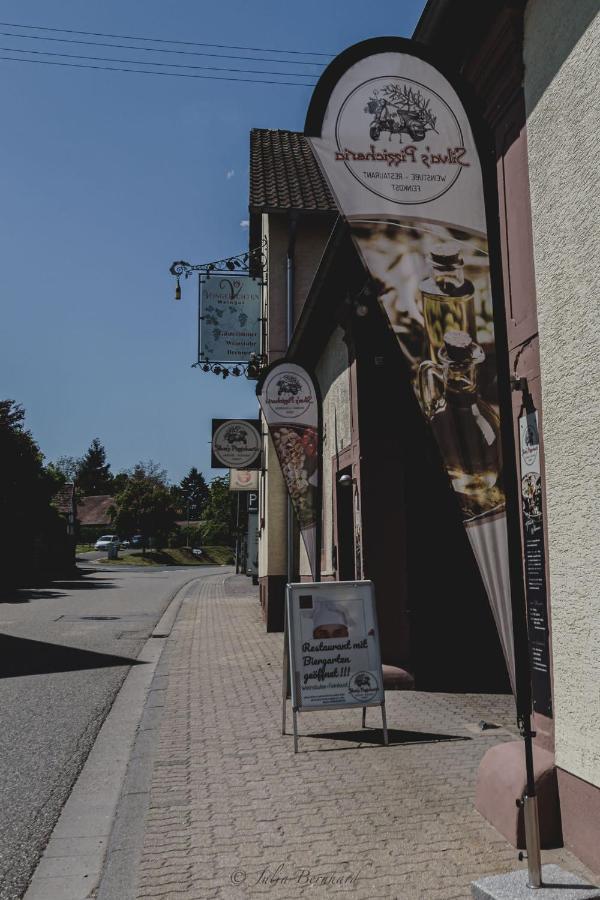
{"type": "Point", "coordinates": [233, 813]}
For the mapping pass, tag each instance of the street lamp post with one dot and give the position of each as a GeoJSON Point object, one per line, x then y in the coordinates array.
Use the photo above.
{"type": "Point", "coordinates": [187, 534]}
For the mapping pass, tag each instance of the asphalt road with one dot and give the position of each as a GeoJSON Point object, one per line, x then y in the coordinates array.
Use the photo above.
{"type": "Point", "coordinates": [61, 665]}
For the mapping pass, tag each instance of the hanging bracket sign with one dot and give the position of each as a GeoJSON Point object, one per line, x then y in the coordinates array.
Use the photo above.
{"type": "Point", "coordinates": [229, 318]}
{"type": "Point", "coordinates": [236, 444]}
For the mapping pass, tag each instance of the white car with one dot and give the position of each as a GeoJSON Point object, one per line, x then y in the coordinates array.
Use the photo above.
{"type": "Point", "coordinates": [104, 542]}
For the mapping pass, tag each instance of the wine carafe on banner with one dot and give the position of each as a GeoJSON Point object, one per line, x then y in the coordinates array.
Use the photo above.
{"type": "Point", "coordinates": [466, 428]}
{"type": "Point", "coordinates": [448, 298]}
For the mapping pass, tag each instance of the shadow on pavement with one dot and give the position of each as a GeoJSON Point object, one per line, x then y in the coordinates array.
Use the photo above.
{"type": "Point", "coordinates": [52, 589]}
{"type": "Point", "coordinates": [375, 736]}
{"type": "Point", "coordinates": [22, 656]}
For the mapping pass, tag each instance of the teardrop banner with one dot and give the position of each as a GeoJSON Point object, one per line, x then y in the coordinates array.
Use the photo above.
{"type": "Point", "coordinates": [291, 405]}
{"type": "Point", "coordinates": [412, 174]}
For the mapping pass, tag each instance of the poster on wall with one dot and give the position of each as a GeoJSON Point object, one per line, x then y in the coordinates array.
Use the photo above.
{"type": "Point", "coordinates": [396, 146]}
{"type": "Point", "coordinates": [236, 444]}
{"type": "Point", "coordinates": [334, 645]}
{"type": "Point", "coordinates": [229, 318]}
{"type": "Point", "coordinates": [290, 404]}
{"type": "Point", "coordinates": [535, 562]}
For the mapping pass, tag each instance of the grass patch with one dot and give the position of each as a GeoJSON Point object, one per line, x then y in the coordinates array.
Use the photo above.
{"type": "Point", "coordinates": [211, 556]}
{"type": "Point", "coordinates": [84, 548]}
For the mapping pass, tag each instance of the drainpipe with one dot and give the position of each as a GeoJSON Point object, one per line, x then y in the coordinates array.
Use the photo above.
{"type": "Point", "coordinates": [293, 227]}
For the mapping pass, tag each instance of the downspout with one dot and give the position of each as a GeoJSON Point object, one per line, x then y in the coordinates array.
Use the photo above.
{"type": "Point", "coordinates": [292, 232]}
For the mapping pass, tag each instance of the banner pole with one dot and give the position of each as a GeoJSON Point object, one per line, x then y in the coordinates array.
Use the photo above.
{"type": "Point", "coordinates": [384, 722]}
{"type": "Point", "coordinates": [286, 663]}
{"type": "Point", "coordinates": [295, 717]}
{"type": "Point", "coordinates": [290, 539]}
{"type": "Point", "coordinates": [237, 536]}
{"type": "Point", "coordinates": [199, 354]}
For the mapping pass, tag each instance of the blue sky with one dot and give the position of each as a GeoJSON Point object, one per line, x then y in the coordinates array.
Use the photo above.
{"type": "Point", "coordinates": [105, 179]}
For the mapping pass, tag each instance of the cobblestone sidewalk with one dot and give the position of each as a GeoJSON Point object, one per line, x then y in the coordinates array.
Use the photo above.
{"type": "Point", "coordinates": [234, 814]}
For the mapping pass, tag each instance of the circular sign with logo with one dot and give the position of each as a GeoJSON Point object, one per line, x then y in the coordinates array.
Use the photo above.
{"type": "Point", "coordinates": [288, 393]}
{"type": "Point", "coordinates": [363, 686]}
{"type": "Point", "coordinates": [400, 140]}
{"type": "Point", "coordinates": [236, 444]}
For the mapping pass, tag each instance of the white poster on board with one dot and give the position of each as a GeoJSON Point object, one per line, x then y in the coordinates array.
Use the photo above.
{"type": "Point", "coordinates": [334, 645]}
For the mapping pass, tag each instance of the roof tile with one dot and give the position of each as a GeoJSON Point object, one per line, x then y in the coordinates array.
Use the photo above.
{"type": "Point", "coordinates": [95, 510]}
{"type": "Point", "coordinates": [284, 173]}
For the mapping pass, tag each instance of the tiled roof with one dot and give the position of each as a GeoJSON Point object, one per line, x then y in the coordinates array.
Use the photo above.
{"type": "Point", "coordinates": [284, 173]}
{"type": "Point", "coordinates": [64, 499]}
{"type": "Point", "coordinates": [94, 510]}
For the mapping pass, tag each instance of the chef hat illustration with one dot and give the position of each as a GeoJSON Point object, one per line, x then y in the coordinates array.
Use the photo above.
{"type": "Point", "coordinates": [327, 612]}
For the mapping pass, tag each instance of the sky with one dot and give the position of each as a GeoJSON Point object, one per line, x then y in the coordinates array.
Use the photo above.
{"type": "Point", "coordinates": [106, 178]}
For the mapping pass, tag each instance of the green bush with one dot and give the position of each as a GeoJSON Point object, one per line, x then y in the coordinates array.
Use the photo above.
{"type": "Point", "coordinates": [192, 535]}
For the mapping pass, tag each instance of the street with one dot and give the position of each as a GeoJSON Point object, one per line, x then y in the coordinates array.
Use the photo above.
{"type": "Point", "coordinates": [65, 650]}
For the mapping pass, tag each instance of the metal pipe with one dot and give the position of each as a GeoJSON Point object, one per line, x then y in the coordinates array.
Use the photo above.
{"type": "Point", "coordinates": [532, 842]}
{"type": "Point", "coordinates": [237, 536]}
{"type": "Point", "coordinates": [522, 644]}
{"type": "Point", "coordinates": [290, 286]}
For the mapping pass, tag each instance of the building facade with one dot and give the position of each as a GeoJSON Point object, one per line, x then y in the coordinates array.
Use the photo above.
{"type": "Point", "coordinates": [292, 211]}
{"type": "Point", "coordinates": [529, 67]}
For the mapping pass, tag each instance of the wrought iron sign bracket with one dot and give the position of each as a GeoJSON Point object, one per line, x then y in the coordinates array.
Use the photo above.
{"type": "Point", "coordinates": [243, 263]}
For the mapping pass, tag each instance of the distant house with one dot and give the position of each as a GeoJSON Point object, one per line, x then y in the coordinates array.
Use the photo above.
{"type": "Point", "coordinates": [59, 553]}
{"type": "Point", "coordinates": [95, 510]}
{"type": "Point", "coordinates": [66, 504]}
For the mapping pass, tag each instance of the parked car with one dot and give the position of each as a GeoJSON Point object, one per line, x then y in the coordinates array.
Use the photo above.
{"type": "Point", "coordinates": [104, 542]}
{"type": "Point", "coordinates": [124, 544]}
{"type": "Point", "coordinates": [137, 540]}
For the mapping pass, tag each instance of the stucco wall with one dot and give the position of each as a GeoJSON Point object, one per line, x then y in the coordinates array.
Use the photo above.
{"type": "Point", "coordinates": [312, 235]}
{"type": "Point", "coordinates": [272, 546]}
{"type": "Point", "coordinates": [560, 51]}
{"type": "Point", "coordinates": [334, 380]}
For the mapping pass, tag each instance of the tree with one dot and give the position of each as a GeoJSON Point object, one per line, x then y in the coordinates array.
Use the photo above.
{"type": "Point", "coordinates": [34, 535]}
{"type": "Point", "coordinates": [192, 493]}
{"type": "Point", "coordinates": [220, 517]}
{"type": "Point", "coordinates": [147, 508]}
{"type": "Point", "coordinates": [66, 467]}
{"type": "Point", "coordinates": [119, 482]}
{"type": "Point", "coordinates": [93, 475]}
{"type": "Point", "coordinates": [149, 471]}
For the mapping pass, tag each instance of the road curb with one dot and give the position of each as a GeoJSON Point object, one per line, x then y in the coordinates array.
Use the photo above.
{"type": "Point", "coordinates": [72, 863]}
{"type": "Point", "coordinates": [167, 620]}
